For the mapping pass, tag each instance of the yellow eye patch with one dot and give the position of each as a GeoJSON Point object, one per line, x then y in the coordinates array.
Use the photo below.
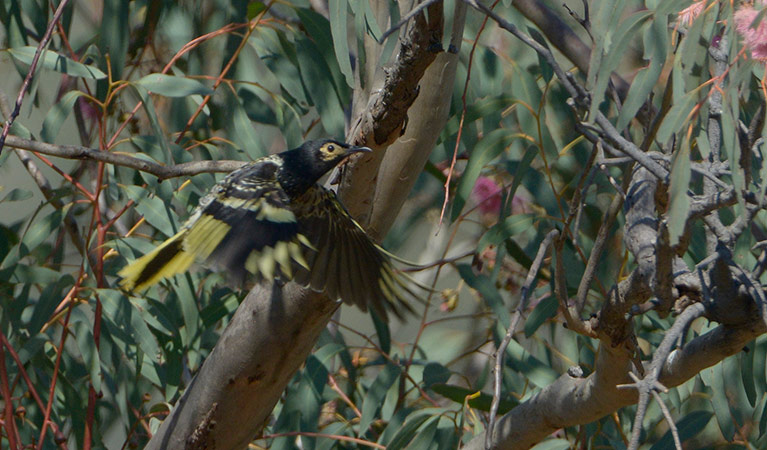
{"type": "Point", "coordinates": [331, 150]}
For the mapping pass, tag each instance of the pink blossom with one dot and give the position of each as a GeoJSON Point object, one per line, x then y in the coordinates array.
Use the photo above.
{"type": "Point", "coordinates": [755, 37]}
{"type": "Point", "coordinates": [487, 195]}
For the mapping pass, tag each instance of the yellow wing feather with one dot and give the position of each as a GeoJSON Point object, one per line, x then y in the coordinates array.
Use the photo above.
{"type": "Point", "coordinates": [166, 260]}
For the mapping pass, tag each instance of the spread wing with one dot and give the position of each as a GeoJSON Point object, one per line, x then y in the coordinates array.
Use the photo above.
{"type": "Point", "coordinates": [245, 224]}
{"type": "Point", "coordinates": [344, 261]}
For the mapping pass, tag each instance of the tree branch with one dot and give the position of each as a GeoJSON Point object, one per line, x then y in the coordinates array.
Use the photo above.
{"type": "Point", "coordinates": [385, 118]}
{"type": "Point", "coordinates": [571, 401]}
{"type": "Point", "coordinates": [501, 352]}
{"type": "Point", "coordinates": [274, 330]}
{"type": "Point", "coordinates": [31, 71]}
{"type": "Point", "coordinates": [119, 159]}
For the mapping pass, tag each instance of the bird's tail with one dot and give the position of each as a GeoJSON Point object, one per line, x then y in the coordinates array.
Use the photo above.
{"type": "Point", "coordinates": [168, 259]}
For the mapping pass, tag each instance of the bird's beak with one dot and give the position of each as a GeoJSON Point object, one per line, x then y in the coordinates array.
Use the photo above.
{"type": "Point", "coordinates": [355, 149]}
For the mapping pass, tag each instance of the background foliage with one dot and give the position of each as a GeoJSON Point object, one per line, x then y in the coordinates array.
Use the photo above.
{"type": "Point", "coordinates": [83, 364]}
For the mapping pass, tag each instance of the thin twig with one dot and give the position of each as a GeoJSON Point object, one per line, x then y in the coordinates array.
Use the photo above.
{"type": "Point", "coordinates": [235, 56]}
{"type": "Point", "coordinates": [57, 435]}
{"type": "Point", "coordinates": [650, 382]}
{"type": "Point", "coordinates": [500, 353]}
{"type": "Point", "coordinates": [119, 159]}
{"type": "Point", "coordinates": [669, 420]}
{"type": "Point", "coordinates": [11, 433]}
{"type": "Point", "coordinates": [463, 117]}
{"type": "Point", "coordinates": [56, 367]}
{"type": "Point", "coordinates": [335, 437]}
{"type": "Point", "coordinates": [31, 71]}
{"type": "Point", "coordinates": [589, 273]}
{"type": "Point", "coordinates": [611, 135]}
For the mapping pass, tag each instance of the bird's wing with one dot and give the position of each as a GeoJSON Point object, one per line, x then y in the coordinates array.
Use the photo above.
{"type": "Point", "coordinates": [244, 224]}
{"type": "Point", "coordinates": [344, 260]}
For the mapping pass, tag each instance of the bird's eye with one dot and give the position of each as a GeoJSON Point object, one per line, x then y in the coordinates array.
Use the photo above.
{"type": "Point", "coordinates": [331, 147]}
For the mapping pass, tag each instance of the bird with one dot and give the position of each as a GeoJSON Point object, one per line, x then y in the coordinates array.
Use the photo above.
{"type": "Point", "coordinates": [271, 220]}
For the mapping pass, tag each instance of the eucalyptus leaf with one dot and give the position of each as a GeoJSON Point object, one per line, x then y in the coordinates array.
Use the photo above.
{"type": "Point", "coordinates": [680, 200]}
{"type": "Point", "coordinates": [172, 86]}
{"type": "Point", "coordinates": [52, 60]}
{"type": "Point", "coordinates": [57, 115]}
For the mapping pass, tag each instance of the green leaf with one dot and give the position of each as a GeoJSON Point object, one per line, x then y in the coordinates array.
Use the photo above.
{"type": "Point", "coordinates": [520, 360]}
{"type": "Point", "coordinates": [125, 315]}
{"type": "Point", "coordinates": [17, 194]}
{"type": "Point", "coordinates": [510, 227]}
{"type": "Point", "coordinates": [184, 294]}
{"type": "Point", "coordinates": [47, 302]}
{"type": "Point", "coordinates": [49, 59]}
{"type": "Point", "coordinates": [435, 373]}
{"type": "Point", "coordinates": [89, 351]}
{"type": "Point", "coordinates": [720, 403]}
{"type": "Point", "coordinates": [679, 204]}
{"type": "Point", "coordinates": [677, 116]}
{"type": "Point", "coordinates": [617, 51]}
{"type": "Point", "coordinates": [242, 131]}
{"type": "Point", "coordinates": [425, 436]}
{"type": "Point", "coordinates": [518, 253]}
{"type": "Point", "coordinates": [408, 430]}
{"type": "Point", "coordinates": [480, 108]}
{"type": "Point", "coordinates": [42, 229]}
{"type": "Point", "coordinates": [279, 55]}
{"type": "Point", "coordinates": [150, 148]}
{"type": "Point", "coordinates": [763, 419]}
{"type": "Point", "coordinates": [334, 429]}
{"type": "Point", "coordinates": [156, 212]}
{"type": "Point", "coordinates": [747, 373]}
{"type": "Point", "coordinates": [172, 86]}
{"type": "Point", "coordinates": [553, 444]}
{"type": "Point", "coordinates": [690, 425]}
{"type": "Point", "coordinates": [338, 28]}
{"type": "Point", "coordinates": [639, 92]}
{"type": "Point", "coordinates": [32, 347]}
{"type": "Point", "coordinates": [57, 115]}
{"type": "Point", "coordinates": [487, 291]}
{"type": "Point", "coordinates": [485, 151]}
{"type": "Point", "coordinates": [731, 148]}
{"type": "Point", "coordinates": [544, 310]}
{"type": "Point", "coordinates": [523, 168]}
{"type": "Point", "coordinates": [382, 331]}
{"type": "Point", "coordinates": [547, 72]}
{"type": "Point", "coordinates": [254, 9]}
{"type": "Point", "coordinates": [605, 15]}
{"type": "Point", "coordinates": [114, 35]}
{"type": "Point", "coordinates": [315, 74]}
{"type": "Point", "coordinates": [24, 274]}
{"type": "Point", "coordinates": [375, 396]}
{"type": "Point", "coordinates": [146, 101]}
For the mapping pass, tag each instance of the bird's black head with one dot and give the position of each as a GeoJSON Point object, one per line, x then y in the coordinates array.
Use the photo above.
{"type": "Point", "coordinates": [304, 166]}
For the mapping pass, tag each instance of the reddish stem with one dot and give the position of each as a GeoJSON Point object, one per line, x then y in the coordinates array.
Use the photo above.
{"type": "Point", "coordinates": [52, 391]}
{"type": "Point", "coordinates": [10, 425]}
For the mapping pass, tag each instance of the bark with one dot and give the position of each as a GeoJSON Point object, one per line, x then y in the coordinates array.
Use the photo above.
{"type": "Point", "coordinates": [274, 330]}
{"type": "Point", "coordinates": [233, 394]}
{"type": "Point", "coordinates": [571, 401]}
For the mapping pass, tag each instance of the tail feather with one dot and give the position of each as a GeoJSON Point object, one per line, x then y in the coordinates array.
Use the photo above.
{"type": "Point", "coordinates": [168, 259]}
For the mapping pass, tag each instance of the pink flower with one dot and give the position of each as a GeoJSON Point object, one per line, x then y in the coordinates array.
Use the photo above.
{"type": "Point", "coordinates": [755, 37]}
{"type": "Point", "coordinates": [487, 195]}
{"type": "Point", "coordinates": [688, 15]}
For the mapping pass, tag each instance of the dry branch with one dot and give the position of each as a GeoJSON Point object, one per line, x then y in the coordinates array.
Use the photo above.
{"type": "Point", "coordinates": [119, 159]}
{"type": "Point", "coordinates": [274, 330]}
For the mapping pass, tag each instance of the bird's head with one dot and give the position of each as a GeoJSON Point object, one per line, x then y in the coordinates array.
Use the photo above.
{"type": "Point", "coordinates": [328, 153]}
{"type": "Point", "coordinates": [305, 165]}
